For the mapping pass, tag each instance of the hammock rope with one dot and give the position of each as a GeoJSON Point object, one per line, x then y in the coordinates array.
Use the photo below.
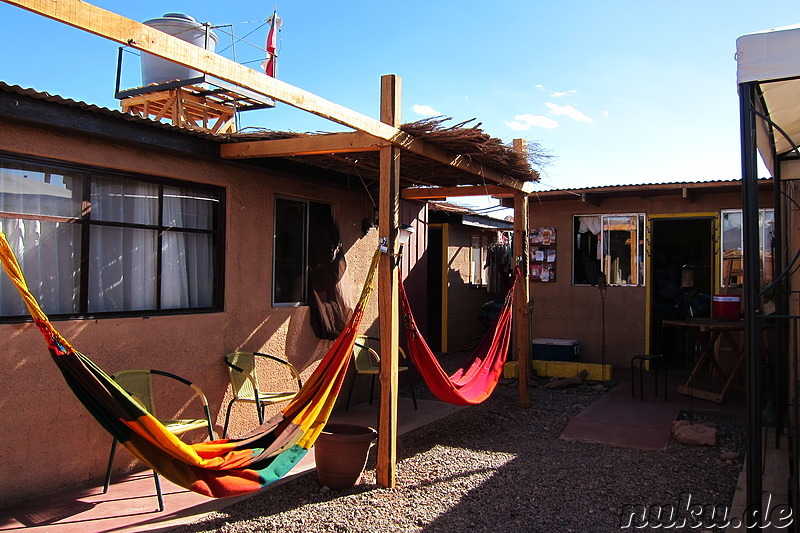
{"type": "Point", "coordinates": [477, 378]}
{"type": "Point", "coordinates": [220, 468]}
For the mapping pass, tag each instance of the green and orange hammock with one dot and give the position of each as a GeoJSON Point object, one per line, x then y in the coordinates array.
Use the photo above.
{"type": "Point", "coordinates": [477, 378]}
{"type": "Point", "coordinates": [219, 468]}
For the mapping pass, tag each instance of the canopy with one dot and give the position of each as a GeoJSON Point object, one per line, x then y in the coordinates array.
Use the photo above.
{"type": "Point", "coordinates": [771, 58]}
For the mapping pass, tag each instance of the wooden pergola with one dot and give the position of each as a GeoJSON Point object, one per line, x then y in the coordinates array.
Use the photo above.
{"type": "Point", "coordinates": [370, 135]}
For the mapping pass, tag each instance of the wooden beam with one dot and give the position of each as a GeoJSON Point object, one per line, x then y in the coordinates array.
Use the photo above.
{"type": "Point", "coordinates": [136, 35]}
{"type": "Point", "coordinates": [309, 145]}
{"type": "Point", "coordinates": [521, 309]}
{"type": "Point", "coordinates": [430, 193]}
{"type": "Point", "coordinates": [388, 290]}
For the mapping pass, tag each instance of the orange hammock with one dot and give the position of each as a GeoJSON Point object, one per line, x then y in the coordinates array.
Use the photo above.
{"type": "Point", "coordinates": [476, 380]}
{"type": "Point", "coordinates": [221, 468]}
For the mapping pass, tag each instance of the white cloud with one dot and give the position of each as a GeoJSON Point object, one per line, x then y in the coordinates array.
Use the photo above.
{"type": "Point", "coordinates": [559, 94]}
{"type": "Point", "coordinates": [539, 86]}
{"type": "Point", "coordinates": [425, 110]}
{"type": "Point", "coordinates": [605, 113]}
{"type": "Point", "coordinates": [526, 122]}
{"type": "Point", "coordinates": [568, 111]}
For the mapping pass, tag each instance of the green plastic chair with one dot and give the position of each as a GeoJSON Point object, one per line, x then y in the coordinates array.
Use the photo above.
{"type": "Point", "coordinates": [368, 362]}
{"type": "Point", "coordinates": [139, 384]}
{"type": "Point", "coordinates": [244, 382]}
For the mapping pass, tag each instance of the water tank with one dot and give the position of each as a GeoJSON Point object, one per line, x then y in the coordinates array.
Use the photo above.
{"type": "Point", "coordinates": [158, 70]}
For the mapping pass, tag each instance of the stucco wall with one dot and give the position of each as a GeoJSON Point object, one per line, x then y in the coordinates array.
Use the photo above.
{"type": "Point", "coordinates": [50, 441]}
{"type": "Point", "coordinates": [566, 311]}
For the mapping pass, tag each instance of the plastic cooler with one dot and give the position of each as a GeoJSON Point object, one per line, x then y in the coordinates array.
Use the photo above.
{"type": "Point", "coordinates": [556, 349]}
{"type": "Point", "coordinates": [725, 307]}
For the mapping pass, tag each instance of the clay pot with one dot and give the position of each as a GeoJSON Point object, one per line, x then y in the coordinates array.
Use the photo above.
{"type": "Point", "coordinates": [341, 453]}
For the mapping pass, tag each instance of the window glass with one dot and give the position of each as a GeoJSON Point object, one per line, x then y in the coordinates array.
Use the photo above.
{"type": "Point", "coordinates": [122, 272]}
{"type": "Point", "coordinates": [291, 219]}
{"type": "Point", "coordinates": [612, 244]}
{"type": "Point", "coordinates": [188, 208]}
{"type": "Point", "coordinates": [732, 241]}
{"type": "Point", "coordinates": [478, 252]}
{"type": "Point", "coordinates": [118, 200]}
{"type": "Point", "coordinates": [29, 189]}
{"type": "Point", "coordinates": [142, 247]}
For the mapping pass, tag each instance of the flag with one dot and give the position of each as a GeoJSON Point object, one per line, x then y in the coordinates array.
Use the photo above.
{"type": "Point", "coordinates": [270, 64]}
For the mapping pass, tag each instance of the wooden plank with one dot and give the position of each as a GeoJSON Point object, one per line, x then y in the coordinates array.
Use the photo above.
{"type": "Point", "coordinates": [388, 290]}
{"type": "Point", "coordinates": [309, 145]}
{"type": "Point", "coordinates": [128, 32]}
{"type": "Point", "coordinates": [520, 310]}
{"type": "Point", "coordinates": [430, 193]}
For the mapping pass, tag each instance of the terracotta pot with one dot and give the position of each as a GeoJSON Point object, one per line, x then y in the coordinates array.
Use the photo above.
{"type": "Point", "coordinates": [341, 453]}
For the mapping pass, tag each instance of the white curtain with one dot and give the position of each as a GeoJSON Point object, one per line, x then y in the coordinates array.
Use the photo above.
{"type": "Point", "coordinates": [122, 270]}
{"type": "Point", "coordinates": [48, 251]}
{"type": "Point", "coordinates": [187, 272]}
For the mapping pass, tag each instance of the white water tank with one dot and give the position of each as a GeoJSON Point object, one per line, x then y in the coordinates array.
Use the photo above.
{"type": "Point", "coordinates": [158, 70]}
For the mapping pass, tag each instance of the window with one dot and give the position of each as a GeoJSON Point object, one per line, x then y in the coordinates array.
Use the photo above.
{"type": "Point", "coordinates": [732, 238]}
{"type": "Point", "coordinates": [612, 244]}
{"type": "Point", "coordinates": [291, 250]}
{"type": "Point", "coordinates": [479, 269]}
{"type": "Point", "coordinates": [91, 242]}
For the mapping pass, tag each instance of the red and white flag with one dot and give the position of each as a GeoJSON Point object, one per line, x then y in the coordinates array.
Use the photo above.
{"type": "Point", "coordinates": [270, 64]}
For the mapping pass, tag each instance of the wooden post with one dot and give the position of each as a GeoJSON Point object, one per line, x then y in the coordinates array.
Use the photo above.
{"type": "Point", "coordinates": [388, 297]}
{"type": "Point", "coordinates": [522, 341]}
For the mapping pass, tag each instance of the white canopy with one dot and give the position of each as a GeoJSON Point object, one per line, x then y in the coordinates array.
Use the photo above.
{"type": "Point", "coordinates": [771, 58]}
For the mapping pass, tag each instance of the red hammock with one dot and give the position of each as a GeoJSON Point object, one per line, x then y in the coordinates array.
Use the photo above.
{"type": "Point", "coordinates": [476, 380]}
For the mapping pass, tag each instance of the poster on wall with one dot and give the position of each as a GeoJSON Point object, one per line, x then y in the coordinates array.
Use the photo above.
{"type": "Point", "coordinates": [543, 254]}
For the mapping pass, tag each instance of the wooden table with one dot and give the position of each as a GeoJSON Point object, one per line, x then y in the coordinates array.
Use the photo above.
{"type": "Point", "coordinates": [717, 331]}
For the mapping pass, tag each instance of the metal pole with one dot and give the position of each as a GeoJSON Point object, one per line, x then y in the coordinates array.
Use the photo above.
{"type": "Point", "coordinates": [751, 263]}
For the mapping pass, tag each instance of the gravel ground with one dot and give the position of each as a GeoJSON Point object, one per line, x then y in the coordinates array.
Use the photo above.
{"type": "Point", "coordinates": [496, 467]}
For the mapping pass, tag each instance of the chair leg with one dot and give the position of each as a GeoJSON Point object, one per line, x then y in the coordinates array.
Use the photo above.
{"type": "Point", "coordinates": [158, 491]}
{"type": "Point", "coordinates": [372, 389]}
{"type": "Point", "coordinates": [411, 387]}
{"type": "Point", "coordinates": [350, 391]}
{"type": "Point", "coordinates": [110, 464]}
{"type": "Point", "coordinates": [633, 385]}
{"type": "Point", "coordinates": [641, 382]}
{"type": "Point", "coordinates": [227, 419]}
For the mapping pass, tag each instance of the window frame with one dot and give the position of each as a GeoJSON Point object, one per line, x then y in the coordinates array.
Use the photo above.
{"type": "Point", "coordinates": [84, 220]}
{"type": "Point", "coordinates": [638, 254]}
{"type": "Point", "coordinates": [307, 202]}
{"type": "Point", "coordinates": [763, 250]}
{"type": "Point", "coordinates": [484, 240]}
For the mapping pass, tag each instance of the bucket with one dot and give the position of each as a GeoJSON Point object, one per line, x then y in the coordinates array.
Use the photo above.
{"type": "Point", "coordinates": [341, 452]}
{"type": "Point", "coordinates": [725, 307]}
{"type": "Point", "coordinates": [157, 70]}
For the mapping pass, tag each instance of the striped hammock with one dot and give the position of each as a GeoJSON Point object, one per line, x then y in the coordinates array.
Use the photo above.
{"type": "Point", "coordinates": [476, 379]}
{"type": "Point", "coordinates": [220, 468]}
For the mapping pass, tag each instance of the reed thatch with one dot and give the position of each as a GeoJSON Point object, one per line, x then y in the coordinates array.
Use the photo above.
{"type": "Point", "coordinates": [462, 138]}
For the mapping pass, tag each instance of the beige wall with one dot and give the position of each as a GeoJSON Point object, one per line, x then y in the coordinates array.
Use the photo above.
{"type": "Point", "coordinates": [50, 441]}
{"type": "Point", "coordinates": [565, 311]}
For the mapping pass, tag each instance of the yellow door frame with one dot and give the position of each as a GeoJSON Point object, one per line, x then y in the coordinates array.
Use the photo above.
{"type": "Point", "coordinates": [649, 268]}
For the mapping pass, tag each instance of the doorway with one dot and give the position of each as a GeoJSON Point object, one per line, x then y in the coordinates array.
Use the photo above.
{"type": "Point", "coordinates": [437, 287]}
{"type": "Point", "coordinates": [682, 280]}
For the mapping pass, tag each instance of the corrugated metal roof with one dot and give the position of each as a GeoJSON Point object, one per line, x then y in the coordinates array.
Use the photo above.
{"type": "Point", "coordinates": [92, 108]}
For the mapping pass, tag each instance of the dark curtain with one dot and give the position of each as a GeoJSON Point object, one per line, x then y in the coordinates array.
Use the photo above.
{"type": "Point", "coordinates": [330, 307]}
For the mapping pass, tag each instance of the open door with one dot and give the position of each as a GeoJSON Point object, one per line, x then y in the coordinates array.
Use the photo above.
{"type": "Point", "coordinates": [683, 279]}
{"type": "Point", "coordinates": [437, 287]}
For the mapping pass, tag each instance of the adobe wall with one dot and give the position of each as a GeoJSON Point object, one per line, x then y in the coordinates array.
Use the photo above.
{"type": "Point", "coordinates": [54, 442]}
{"type": "Point", "coordinates": [565, 311]}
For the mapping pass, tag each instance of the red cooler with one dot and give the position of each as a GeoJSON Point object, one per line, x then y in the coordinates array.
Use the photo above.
{"type": "Point", "coordinates": [725, 307]}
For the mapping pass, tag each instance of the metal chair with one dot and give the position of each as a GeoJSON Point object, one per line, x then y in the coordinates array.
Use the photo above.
{"type": "Point", "coordinates": [139, 384]}
{"type": "Point", "coordinates": [244, 382]}
{"type": "Point", "coordinates": [654, 361]}
{"type": "Point", "coordinates": [367, 361]}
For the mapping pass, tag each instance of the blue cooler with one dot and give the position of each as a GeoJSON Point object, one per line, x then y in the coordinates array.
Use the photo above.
{"type": "Point", "coordinates": [556, 350]}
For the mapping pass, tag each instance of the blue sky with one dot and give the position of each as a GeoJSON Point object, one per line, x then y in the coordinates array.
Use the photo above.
{"type": "Point", "coordinates": [618, 92]}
